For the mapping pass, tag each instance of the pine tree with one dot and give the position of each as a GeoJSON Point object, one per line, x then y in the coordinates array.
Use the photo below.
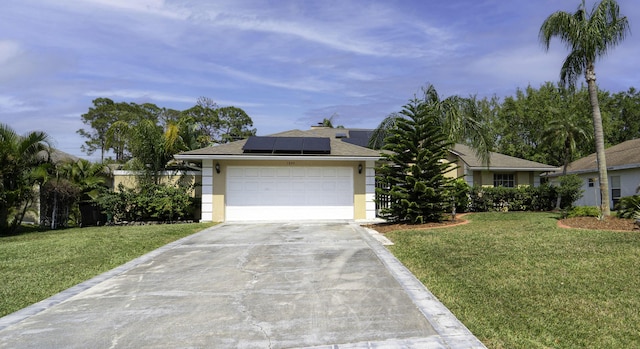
{"type": "Point", "coordinates": [413, 168]}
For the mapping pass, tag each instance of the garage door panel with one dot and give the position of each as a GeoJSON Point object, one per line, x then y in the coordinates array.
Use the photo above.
{"type": "Point", "coordinates": [290, 193]}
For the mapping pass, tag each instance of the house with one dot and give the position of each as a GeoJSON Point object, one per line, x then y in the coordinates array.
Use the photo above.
{"type": "Point", "coordinates": [503, 170]}
{"type": "Point", "coordinates": [293, 175]}
{"type": "Point", "coordinates": [623, 168]}
{"type": "Point", "coordinates": [321, 173]}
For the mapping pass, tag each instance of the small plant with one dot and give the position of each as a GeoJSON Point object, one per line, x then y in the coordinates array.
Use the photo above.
{"type": "Point", "coordinates": [584, 211]}
{"type": "Point", "coordinates": [629, 207]}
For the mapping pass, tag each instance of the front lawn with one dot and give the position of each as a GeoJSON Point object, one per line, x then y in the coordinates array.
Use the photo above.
{"type": "Point", "coordinates": [37, 265]}
{"type": "Point", "coordinates": [516, 280]}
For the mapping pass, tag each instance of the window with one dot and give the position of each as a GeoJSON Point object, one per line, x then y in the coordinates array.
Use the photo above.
{"type": "Point", "coordinates": [615, 189]}
{"type": "Point", "coordinates": [591, 182]}
{"type": "Point", "coordinates": [504, 180]}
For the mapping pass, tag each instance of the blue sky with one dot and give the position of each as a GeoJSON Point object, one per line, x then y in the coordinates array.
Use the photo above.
{"type": "Point", "coordinates": [288, 64]}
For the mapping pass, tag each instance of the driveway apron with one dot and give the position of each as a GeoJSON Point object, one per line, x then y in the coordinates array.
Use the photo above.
{"type": "Point", "coordinates": [260, 285]}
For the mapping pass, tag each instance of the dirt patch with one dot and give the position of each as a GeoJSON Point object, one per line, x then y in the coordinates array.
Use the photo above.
{"type": "Point", "coordinates": [387, 227]}
{"type": "Point", "coordinates": [610, 223]}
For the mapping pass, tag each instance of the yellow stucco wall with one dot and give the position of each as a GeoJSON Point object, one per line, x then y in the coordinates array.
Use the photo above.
{"type": "Point", "coordinates": [130, 180]}
{"type": "Point", "coordinates": [485, 178]}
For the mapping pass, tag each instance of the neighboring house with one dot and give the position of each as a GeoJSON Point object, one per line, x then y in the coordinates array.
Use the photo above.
{"type": "Point", "coordinates": [321, 173]}
{"type": "Point", "coordinates": [503, 170]}
{"type": "Point", "coordinates": [623, 168]}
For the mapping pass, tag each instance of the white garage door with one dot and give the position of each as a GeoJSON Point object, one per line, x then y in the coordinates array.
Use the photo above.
{"type": "Point", "coordinates": [289, 193]}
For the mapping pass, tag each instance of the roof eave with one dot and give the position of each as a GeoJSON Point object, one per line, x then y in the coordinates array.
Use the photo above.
{"type": "Point", "coordinates": [278, 157]}
{"type": "Point", "coordinates": [527, 169]}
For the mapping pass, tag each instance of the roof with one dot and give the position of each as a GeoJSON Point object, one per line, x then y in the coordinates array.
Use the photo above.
{"type": "Point", "coordinates": [339, 149]}
{"type": "Point", "coordinates": [621, 156]}
{"type": "Point", "coordinates": [498, 161]}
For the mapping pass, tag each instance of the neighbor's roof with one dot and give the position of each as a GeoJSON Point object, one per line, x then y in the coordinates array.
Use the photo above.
{"type": "Point", "coordinates": [339, 148]}
{"type": "Point", "coordinates": [622, 156]}
{"type": "Point", "coordinates": [498, 161]}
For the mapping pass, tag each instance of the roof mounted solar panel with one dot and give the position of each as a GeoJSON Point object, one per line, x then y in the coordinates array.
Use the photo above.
{"type": "Point", "coordinates": [288, 145]}
{"type": "Point", "coordinates": [256, 144]}
{"type": "Point", "coordinates": [316, 146]}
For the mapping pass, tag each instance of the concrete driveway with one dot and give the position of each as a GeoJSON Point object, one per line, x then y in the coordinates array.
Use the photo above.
{"type": "Point", "coordinates": [261, 285]}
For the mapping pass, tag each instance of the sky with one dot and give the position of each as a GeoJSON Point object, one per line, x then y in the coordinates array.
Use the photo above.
{"type": "Point", "coordinates": [287, 63]}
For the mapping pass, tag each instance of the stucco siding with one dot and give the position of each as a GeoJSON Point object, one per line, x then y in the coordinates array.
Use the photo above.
{"type": "Point", "coordinates": [629, 182]}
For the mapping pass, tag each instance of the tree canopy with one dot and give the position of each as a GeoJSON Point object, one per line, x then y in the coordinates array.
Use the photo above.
{"type": "Point", "coordinates": [116, 127]}
{"type": "Point", "coordinates": [588, 35]}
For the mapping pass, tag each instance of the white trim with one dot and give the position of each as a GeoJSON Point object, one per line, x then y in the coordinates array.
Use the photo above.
{"type": "Point", "coordinates": [514, 169]}
{"type": "Point", "coordinates": [162, 173]}
{"type": "Point", "coordinates": [278, 157]}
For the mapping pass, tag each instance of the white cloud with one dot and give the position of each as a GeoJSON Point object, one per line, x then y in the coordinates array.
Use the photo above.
{"type": "Point", "coordinates": [141, 95]}
{"type": "Point", "coordinates": [148, 7]}
{"type": "Point", "coordinates": [10, 104]}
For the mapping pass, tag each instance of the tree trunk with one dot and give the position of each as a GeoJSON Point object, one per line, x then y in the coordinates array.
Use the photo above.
{"type": "Point", "coordinates": [599, 137]}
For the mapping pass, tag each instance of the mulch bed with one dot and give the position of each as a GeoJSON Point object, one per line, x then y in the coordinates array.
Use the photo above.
{"type": "Point", "coordinates": [387, 227]}
{"type": "Point", "coordinates": [610, 223]}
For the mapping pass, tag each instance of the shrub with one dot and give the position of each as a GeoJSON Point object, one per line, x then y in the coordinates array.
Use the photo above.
{"type": "Point", "coordinates": [149, 202]}
{"type": "Point", "coordinates": [584, 211]}
{"type": "Point", "coordinates": [570, 190]}
{"type": "Point", "coordinates": [629, 207]}
{"type": "Point", "coordinates": [486, 199]}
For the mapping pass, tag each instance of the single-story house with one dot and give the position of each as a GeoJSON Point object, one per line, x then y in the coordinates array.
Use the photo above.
{"type": "Point", "coordinates": [291, 175]}
{"type": "Point", "coordinates": [623, 169]}
{"type": "Point", "coordinates": [503, 170]}
{"type": "Point", "coordinates": [321, 173]}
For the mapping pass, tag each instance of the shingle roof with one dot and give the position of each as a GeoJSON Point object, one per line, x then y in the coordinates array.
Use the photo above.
{"type": "Point", "coordinates": [623, 155]}
{"type": "Point", "coordinates": [498, 161]}
{"type": "Point", "coordinates": [338, 147]}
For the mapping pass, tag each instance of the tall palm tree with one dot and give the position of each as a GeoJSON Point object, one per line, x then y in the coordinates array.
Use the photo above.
{"type": "Point", "coordinates": [461, 119]}
{"type": "Point", "coordinates": [589, 35]}
{"type": "Point", "coordinates": [20, 157]}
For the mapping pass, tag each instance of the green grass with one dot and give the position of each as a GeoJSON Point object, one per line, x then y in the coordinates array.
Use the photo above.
{"type": "Point", "coordinates": [37, 265]}
{"type": "Point", "coordinates": [516, 280]}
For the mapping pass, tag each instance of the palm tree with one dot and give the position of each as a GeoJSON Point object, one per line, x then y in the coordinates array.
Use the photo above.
{"type": "Point", "coordinates": [461, 119]}
{"type": "Point", "coordinates": [589, 35]}
{"type": "Point", "coordinates": [20, 157]}
{"type": "Point", "coordinates": [566, 132]}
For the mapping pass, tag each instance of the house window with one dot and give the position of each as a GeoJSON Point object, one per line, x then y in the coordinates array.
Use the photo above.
{"type": "Point", "coordinates": [504, 180]}
{"type": "Point", "coordinates": [591, 182]}
{"type": "Point", "coordinates": [615, 189]}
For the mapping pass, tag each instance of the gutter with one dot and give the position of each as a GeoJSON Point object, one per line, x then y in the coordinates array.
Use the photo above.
{"type": "Point", "coordinates": [280, 157]}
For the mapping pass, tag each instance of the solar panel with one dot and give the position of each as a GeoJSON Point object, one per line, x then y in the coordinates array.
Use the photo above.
{"type": "Point", "coordinates": [288, 145]}
{"type": "Point", "coordinates": [316, 146]}
{"type": "Point", "coordinates": [360, 138]}
{"type": "Point", "coordinates": [256, 144]}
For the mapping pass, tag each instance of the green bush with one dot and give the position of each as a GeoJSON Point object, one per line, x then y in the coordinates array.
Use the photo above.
{"type": "Point", "coordinates": [526, 198]}
{"type": "Point", "coordinates": [629, 207]}
{"type": "Point", "coordinates": [570, 190]}
{"type": "Point", "coordinates": [584, 211]}
{"type": "Point", "coordinates": [148, 202]}
{"type": "Point", "coordinates": [487, 199]}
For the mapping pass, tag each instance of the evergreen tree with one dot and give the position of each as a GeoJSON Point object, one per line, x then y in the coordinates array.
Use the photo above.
{"type": "Point", "coordinates": [412, 172]}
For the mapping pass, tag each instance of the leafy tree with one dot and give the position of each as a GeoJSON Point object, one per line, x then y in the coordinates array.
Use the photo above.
{"type": "Point", "coordinates": [625, 116]}
{"type": "Point", "coordinates": [460, 119]}
{"type": "Point", "coordinates": [566, 133]}
{"type": "Point", "coordinates": [235, 124]}
{"type": "Point", "coordinates": [412, 173]}
{"type": "Point", "coordinates": [20, 158]}
{"type": "Point", "coordinates": [588, 35]}
{"type": "Point", "coordinates": [211, 124]}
